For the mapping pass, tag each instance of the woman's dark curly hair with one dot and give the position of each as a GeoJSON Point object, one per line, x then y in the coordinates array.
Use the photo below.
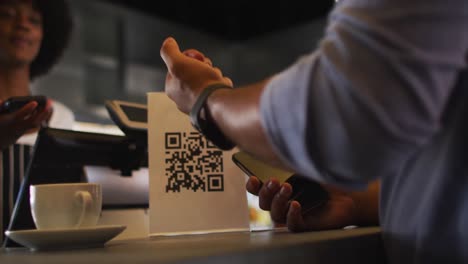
{"type": "Point", "coordinates": [57, 24]}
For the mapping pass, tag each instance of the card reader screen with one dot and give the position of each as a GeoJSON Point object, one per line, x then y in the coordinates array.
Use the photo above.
{"type": "Point", "coordinates": [135, 114]}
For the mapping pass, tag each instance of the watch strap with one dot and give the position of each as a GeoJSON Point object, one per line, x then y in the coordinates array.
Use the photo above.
{"type": "Point", "coordinates": [207, 126]}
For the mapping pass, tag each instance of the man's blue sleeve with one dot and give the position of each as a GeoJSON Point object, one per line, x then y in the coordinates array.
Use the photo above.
{"type": "Point", "coordinates": [372, 93]}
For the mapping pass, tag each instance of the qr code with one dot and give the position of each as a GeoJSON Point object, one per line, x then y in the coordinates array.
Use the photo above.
{"type": "Point", "coordinates": [193, 163]}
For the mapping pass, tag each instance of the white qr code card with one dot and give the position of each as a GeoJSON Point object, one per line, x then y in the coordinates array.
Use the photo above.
{"type": "Point", "coordinates": [194, 186]}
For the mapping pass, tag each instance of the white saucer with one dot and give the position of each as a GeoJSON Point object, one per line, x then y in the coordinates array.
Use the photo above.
{"type": "Point", "coordinates": [50, 239]}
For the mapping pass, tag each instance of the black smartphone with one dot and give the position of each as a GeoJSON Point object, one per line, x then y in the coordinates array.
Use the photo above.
{"type": "Point", "coordinates": [308, 193]}
{"type": "Point", "coordinates": [15, 103]}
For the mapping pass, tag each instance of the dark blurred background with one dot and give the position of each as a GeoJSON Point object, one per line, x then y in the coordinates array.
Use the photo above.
{"type": "Point", "coordinates": [235, 20]}
{"type": "Point", "coordinates": [114, 51]}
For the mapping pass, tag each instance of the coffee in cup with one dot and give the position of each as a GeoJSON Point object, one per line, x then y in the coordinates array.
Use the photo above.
{"type": "Point", "coordinates": [65, 206]}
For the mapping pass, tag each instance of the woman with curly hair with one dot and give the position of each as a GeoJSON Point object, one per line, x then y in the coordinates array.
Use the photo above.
{"type": "Point", "coordinates": [33, 37]}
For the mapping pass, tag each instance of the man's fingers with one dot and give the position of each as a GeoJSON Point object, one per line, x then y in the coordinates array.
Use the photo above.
{"type": "Point", "coordinates": [193, 53]}
{"type": "Point", "coordinates": [169, 51]}
{"type": "Point", "coordinates": [228, 81]}
{"type": "Point", "coordinates": [253, 185]}
{"type": "Point", "coordinates": [295, 220]}
{"type": "Point", "coordinates": [267, 192]}
{"type": "Point", "coordinates": [280, 204]}
{"type": "Point", "coordinates": [208, 61]}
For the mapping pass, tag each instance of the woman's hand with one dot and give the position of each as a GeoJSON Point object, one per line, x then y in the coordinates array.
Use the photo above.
{"type": "Point", "coordinates": [343, 208]}
{"type": "Point", "coordinates": [25, 120]}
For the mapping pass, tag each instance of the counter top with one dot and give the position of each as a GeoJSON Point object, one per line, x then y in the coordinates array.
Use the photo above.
{"type": "Point", "coordinates": [358, 245]}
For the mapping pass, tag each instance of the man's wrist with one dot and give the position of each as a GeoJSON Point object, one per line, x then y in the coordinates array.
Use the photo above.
{"type": "Point", "coordinates": [205, 124]}
{"type": "Point", "coordinates": [367, 205]}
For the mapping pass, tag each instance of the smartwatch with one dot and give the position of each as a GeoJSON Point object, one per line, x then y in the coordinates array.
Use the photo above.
{"type": "Point", "coordinates": [207, 126]}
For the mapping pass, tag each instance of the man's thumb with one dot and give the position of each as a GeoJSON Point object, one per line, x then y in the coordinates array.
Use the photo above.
{"type": "Point", "coordinates": [169, 51]}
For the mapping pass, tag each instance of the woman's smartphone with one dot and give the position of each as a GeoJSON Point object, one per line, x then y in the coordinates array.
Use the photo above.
{"type": "Point", "coordinates": [308, 193]}
{"type": "Point", "coordinates": [15, 103]}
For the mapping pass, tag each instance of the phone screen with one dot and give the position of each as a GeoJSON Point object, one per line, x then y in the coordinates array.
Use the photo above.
{"type": "Point", "coordinates": [254, 167]}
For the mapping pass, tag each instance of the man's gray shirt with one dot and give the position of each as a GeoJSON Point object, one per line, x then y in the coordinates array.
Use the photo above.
{"type": "Point", "coordinates": [383, 97]}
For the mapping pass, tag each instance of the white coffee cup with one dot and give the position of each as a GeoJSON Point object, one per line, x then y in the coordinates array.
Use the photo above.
{"type": "Point", "coordinates": [65, 206]}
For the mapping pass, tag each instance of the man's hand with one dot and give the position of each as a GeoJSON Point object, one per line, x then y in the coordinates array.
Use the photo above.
{"type": "Point", "coordinates": [343, 209]}
{"type": "Point", "coordinates": [189, 72]}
